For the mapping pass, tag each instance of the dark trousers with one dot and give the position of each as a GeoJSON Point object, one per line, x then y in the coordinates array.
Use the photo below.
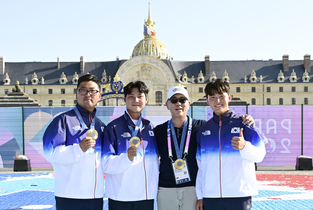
{"type": "Point", "coordinates": [241, 203]}
{"type": "Point", "coordinates": [78, 204]}
{"type": "Point", "coordinates": [131, 205]}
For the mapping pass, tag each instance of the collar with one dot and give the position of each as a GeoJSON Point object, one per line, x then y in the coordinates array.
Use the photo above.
{"type": "Point", "coordinates": [84, 112]}
{"type": "Point", "coordinates": [229, 114]}
{"type": "Point", "coordinates": [131, 121]}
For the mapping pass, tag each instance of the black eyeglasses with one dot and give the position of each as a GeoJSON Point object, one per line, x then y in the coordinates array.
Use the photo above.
{"type": "Point", "coordinates": [174, 100]}
{"type": "Point", "coordinates": [84, 92]}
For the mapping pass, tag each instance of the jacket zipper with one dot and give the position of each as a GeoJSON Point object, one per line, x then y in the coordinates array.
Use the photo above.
{"type": "Point", "coordinates": [144, 165]}
{"type": "Point", "coordinates": [94, 193]}
{"type": "Point", "coordinates": [95, 155]}
{"type": "Point", "coordinates": [143, 160]}
{"type": "Point", "coordinates": [220, 154]}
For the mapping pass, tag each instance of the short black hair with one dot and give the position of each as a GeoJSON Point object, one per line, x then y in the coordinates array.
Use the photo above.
{"type": "Point", "coordinates": [89, 77]}
{"type": "Point", "coordinates": [218, 86]}
{"type": "Point", "coordinates": [142, 88]}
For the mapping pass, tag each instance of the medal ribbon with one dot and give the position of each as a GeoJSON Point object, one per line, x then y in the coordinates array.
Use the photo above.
{"type": "Point", "coordinates": [80, 118]}
{"type": "Point", "coordinates": [179, 150]}
{"type": "Point", "coordinates": [135, 129]}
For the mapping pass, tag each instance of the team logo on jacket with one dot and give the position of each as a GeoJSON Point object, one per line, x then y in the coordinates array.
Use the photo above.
{"type": "Point", "coordinates": [206, 133]}
{"type": "Point", "coordinates": [151, 133]}
{"type": "Point", "coordinates": [76, 128]}
{"type": "Point", "coordinates": [235, 130]}
{"type": "Point", "coordinates": [126, 134]}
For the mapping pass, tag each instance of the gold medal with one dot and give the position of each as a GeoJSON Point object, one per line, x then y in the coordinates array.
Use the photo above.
{"type": "Point", "coordinates": [179, 164]}
{"type": "Point", "coordinates": [92, 133]}
{"type": "Point", "coordinates": [134, 141]}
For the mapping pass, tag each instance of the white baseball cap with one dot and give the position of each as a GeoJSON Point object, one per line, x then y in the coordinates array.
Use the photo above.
{"type": "Point", "coordinates": [176, 90]}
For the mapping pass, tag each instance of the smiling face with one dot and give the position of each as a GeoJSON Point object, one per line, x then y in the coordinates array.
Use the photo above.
{"type": "Point", "coordinates": [135, 103]}
{"type": "Point", "coordinates": [219, 102]}
{"type": "Point", "coordinates": [88, 101]}
{"type": "Point", "coordinates": [178, 110]}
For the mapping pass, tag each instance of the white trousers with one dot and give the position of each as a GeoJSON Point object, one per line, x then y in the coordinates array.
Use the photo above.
{"type": "Point", "coordinates": [183, 198]}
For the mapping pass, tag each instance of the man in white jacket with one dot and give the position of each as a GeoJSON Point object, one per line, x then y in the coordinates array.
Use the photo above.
{"type": "Point", "coordinates": [130, 155]}
{"type": "Point", "coordinates": [226, 153]}
{"type": "Point", "coordinates": [72, 144]}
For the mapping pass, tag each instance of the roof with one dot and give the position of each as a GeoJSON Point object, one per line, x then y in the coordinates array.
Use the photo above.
{"type": "Point", "coordinates": [236, 70]}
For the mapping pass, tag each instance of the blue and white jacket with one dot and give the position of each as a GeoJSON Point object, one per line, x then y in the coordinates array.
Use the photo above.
{"type": "Point", "coordinates": [130, 180]}
{"type": "Point", "coordinates": [77, 174]}
{"type": "Point", "coordinates": [223, 171]}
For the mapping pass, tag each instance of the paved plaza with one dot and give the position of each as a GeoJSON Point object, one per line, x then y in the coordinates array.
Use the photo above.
{"type": "Point", "coordinates": [278, 189]}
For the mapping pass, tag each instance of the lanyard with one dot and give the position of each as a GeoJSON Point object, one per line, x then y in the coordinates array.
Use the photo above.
{"type": "Point", "coordinates": [179, 150]}
{"type": "Point", "coordinates": [135, 129]}
{"type": "Point", "coordinates": [80, 118]}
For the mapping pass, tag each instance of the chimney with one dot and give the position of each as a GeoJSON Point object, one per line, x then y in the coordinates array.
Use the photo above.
{"type": "Point", "coordinates": [307, 62]}
{"type": "Point", "coordinates": [2, 65]}
{"type": "Point", "coordinates": [82, 64]}
{"type": "Point", "coordinates": [286, 62]}
{"type": "Point", "coordinates": [207, 64]}
{"type": "Point", "coordinates": [58, 62]}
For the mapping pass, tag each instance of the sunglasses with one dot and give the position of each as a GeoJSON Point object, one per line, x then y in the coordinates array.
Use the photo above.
{"type": "Point", "coordinates": [174, 100]}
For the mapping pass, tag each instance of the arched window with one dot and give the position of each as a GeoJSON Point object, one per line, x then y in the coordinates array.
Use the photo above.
{"type": "Point", "coordinates": [158, 97]}
{"type": "Point", "coordinates": [268, 101]}
{"type": "Point", "coordinates": [50, 103]}
{"type": "Point", "coordinates": [253, 101]}
{"type": "Point", "coordinates": [281, 101]}
{"type": "Point", "coordinates": [306, 101]}
{"type": "Point", "coordinates": [293, 101]}
{"type": "Point", "coordinates": [62, 102]}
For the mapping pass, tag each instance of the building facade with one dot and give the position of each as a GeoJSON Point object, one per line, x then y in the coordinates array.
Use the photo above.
{"type": "Point", "coordinates": [258, 82]}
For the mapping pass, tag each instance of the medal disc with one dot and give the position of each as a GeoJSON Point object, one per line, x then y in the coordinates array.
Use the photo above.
{"type": "Point", "coordinates": [179, 164]}
{"type": "Point", "coordinates": [92, 133]}
{"type": "Point", "coordinates": [134, 141]}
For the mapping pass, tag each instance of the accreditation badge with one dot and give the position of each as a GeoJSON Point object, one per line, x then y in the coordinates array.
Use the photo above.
{"type": "Point", "coordinates": [92, 133]}
{"type": "Point", "coordinates": [181, 172]}
{"type": "Point", "coordinates": [134, 141]}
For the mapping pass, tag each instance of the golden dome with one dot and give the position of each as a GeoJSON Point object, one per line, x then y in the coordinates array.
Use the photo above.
{"type": "Point", "coordinates": [150, 45]}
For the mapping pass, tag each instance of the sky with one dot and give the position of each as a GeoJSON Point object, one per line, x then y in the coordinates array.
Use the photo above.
{"type": "Point", "coordinates": [101, 30]}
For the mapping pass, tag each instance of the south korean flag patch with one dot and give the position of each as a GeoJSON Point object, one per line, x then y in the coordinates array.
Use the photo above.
{"type": "Point", "coordinates": [235, 130]}
{"type": "Point", "coordinates": [151, 133]}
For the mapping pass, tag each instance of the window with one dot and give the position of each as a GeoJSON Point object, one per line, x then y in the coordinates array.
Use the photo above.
{"type": "Point", "coordinates": [268, 89]}
{"type": "Point", "coordinates": [293, 101]}
{"type": "Point", "coordinates": [306, 89]}
{"type": "Point", "coordinates": [253, 101]}
{"type": "Point", "coordinates": [50, 103]}
{"type": "Point", "coordinates": [6, 91]}
{"type": "Point", "coordinates": [62, 91]}
{"type": "Point", "coordinates": [34, 91]}
{"type": "Point", "coordinates": [62, 102]}
{"type": "Point", "coordinates": [200, 89]}
{"type": "Point", "coordinates": [238, 89]}
{"type": "Point", "coordinates": [103, 103]}
{"type": "Point", "coordinates": [268, 101]}
{"type": "Point", "coordinates": [158, 97]}
{"type": "Point", "coordinates": [293, 89]}
{"type": "Point", "coordinates": [281, 89]}
{"type": "Point", "coordinates": [75, 90]}
{"type": "Point", "coordinates": [306, 101]}
{"type": "Point", "coordinates": [50, 91]}
{"type": "Point", "coordinates": [253, 89]}
{"type": "Point", "coordinates": [281, 101]}
{"type": "Point", "coordinates": [75, 102]}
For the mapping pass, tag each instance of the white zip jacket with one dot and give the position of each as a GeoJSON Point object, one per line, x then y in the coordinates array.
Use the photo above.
{"type": "Point", "coordinates": [223, 171]}
{"type": "Point", "coordinates": [78, 175]}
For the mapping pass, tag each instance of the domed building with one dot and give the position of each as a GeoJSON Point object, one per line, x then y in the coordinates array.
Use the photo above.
{"type": "Point", "coordinates": [256, 82]}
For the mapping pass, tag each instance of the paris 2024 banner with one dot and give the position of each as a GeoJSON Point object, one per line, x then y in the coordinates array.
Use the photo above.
{"type": "Point", "coordinates": [280, 127]}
